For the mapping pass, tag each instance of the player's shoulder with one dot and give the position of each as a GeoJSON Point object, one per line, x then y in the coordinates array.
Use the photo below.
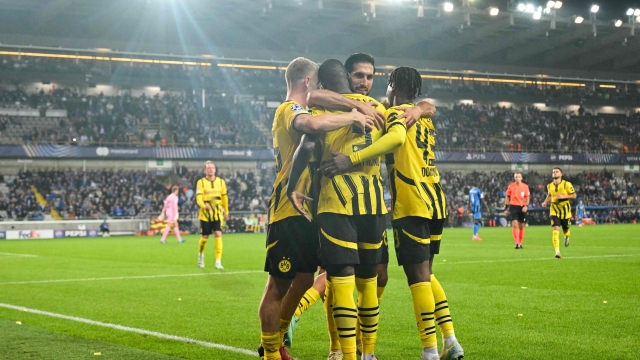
{"type": "Point", "coordinates": [393, 112]}
{"type": "Point", "coordinates": [290, 106]}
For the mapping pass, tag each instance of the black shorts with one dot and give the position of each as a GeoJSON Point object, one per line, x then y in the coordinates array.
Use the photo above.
{"type": "Point", "coordinates": [351, 240]}
{"type": "Point", "coordinates": [564, 223]}
{"type": "Point", "coordinates": [414, 241]}
{"type": "Point", "coordinates": [208, 227]}
{"type": "Point", "coordinates": [292, 247]}
{"type": "Point", "coordinates": [516, 213]}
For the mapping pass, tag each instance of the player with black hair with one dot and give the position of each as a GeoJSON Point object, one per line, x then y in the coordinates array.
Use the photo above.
{"type": "Point", "coordinates": [560, 193]}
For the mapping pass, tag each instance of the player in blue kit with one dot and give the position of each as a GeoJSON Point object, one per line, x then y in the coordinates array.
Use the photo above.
{"type": "Point", "coordinates": [476, 199]}
{"type": "Point", "coordinates": [580, 213]}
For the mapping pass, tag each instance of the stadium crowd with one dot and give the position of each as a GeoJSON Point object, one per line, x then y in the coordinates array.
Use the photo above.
{"type": "Point", "coordinates": [175, 119]}
{"type": "Point", "coordinates": [96, 194]}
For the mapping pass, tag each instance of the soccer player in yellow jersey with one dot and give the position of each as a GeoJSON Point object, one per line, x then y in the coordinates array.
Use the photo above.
{"type": "Point", "coordinates": [560, 193]}
{"type": "Point", "coordinates": [211, 196]}
{"type": "Point", "coordinates": [419, 208]}
{"type": "Point", "coordinates": [292, 241]}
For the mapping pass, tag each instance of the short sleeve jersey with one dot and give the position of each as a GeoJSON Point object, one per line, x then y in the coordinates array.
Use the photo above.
{"type": "Point", "coordinates": [560, 208]}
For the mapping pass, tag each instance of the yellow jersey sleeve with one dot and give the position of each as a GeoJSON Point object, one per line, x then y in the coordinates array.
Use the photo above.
{"type": "Point", "coordinates": [289, 114]}
{"type": "Point", "coordinates": [200, 193]}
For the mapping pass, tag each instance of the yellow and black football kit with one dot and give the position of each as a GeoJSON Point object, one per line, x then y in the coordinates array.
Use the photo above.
{"type": "Point", "coordinates": [212, 193]}
{"type": "Point", "coordinates": [292, 242]}
{"type": "Point", "coordinates": [417, 198]}
{"type": "Point", "coordinates": [351, 206]}
{"type": "Point", "coordinates": [560, 210]}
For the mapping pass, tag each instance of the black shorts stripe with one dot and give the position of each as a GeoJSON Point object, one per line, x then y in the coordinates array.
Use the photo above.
{"type": "Point", "coordinates": [355, 201]}
{"type": "Point", "coordinates": [379, 200]}
{"type": "Point", "coordinates": [367, 195]}
{"type": "Point", "coordinates": [343, 201]}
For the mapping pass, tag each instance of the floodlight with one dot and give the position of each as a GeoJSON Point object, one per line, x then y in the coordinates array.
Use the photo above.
{"type": "Point", "coordinates": [558, 5]}
{"type": "Point", "coordinates": [629, 12]}
{"type": "Point", "coordinates": [529, 8]}
{"type": "Point", "coordinates": [636, 12]}
{"type": "Point", "coordinates": [595, 8]}
{"type": "Point", "coordinates": [448, 7]}
{"type": "Point", "coordinates": [551, 4]}
{"type": "Point", "coordinates": [618, 23]}
{"type": "Point", "coordinates": [638, 19]}
{"type": "Point", "coordinates": [539, 9]}
{"type": "Point", "coordinates": [579, 20]}
{"type": "Point", "coordinates": [521, 7]}
{"type": "Point", "coordinates": [547, 10]}
{"type": "Point", "coordinates": [494, 11]}
{"type": "Point", "coordinates": [537, 15]}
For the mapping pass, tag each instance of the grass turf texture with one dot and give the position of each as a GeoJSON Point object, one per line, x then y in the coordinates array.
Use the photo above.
{"type": "Point", "coordinates": [488, 284]}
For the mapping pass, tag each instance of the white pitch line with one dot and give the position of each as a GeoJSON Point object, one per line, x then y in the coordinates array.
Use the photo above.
{"type": "Point", "coordinates": [127, 277]}
{"type": "Point", "coordinates": [134, 330]}
{"type": "Point", "coordinates": [532, 259]}
{"type": "Point", "coordinates": [18, 255]}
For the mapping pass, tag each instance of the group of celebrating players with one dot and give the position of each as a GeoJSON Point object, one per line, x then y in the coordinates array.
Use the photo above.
{"type": "Point", "coordinates": [327, 210]}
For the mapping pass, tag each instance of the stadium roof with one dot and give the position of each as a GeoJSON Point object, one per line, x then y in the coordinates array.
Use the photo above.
{"type": "Point", "coordinates": [418, 31]}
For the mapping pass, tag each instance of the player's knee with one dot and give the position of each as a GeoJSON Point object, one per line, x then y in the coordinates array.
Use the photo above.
{"type": "Point", "coordinates": [366, 271]}
{"type": "Point", "coordinates": [340, 270]}
{"type": "Point", "coordinates": [302, 282]}
{"type": "Point", "coordinates": [417, 273]}
{"type": "Point", "coordinates": [217, 234]}
{"type": "Point", "coordinates": [383, 275]}
{"type": "Point", "coordinates": [205, 237]}
{"type": "Point", "coordinates": [277, 287]}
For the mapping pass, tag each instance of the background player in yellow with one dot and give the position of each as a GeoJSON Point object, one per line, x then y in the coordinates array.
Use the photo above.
{"type": "Point", "coordinates": [211, 197]}
{"type": "Point", "coordinates": [418, 202]}
{"type": "Point", "coordinates": [292, 242]}
{"type": "Point", "coordinates": [560, 192]}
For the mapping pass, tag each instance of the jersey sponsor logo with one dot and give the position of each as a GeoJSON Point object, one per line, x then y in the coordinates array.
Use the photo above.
{"type": "Point", "coordinates": [284, 265]}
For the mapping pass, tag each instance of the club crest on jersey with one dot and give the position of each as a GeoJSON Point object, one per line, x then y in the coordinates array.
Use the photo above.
{"type": "Point", "coordinates": [284, 265]}
{"type": "Point", "coordinates": [296, 107]}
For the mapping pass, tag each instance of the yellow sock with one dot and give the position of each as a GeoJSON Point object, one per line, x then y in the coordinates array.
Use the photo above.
{"type": "Point", "coordinates": [443, 316]}
{"type": "Point", "coordinates": [345, 314]}
{"type": "Point", "coordinates": [219, 248]}
{"type": "Point", "coordinates": [380, 293]}
{"type": "Point", "coordinates": [423, 307]}
{"type": "Point", "coordinates": [556, 240]}
{"type": "Point", "coordinates": [202, 244]}
{"type": "Point", "coordinates": [334, 339]}
{"type": "Point", "coordinates": [567, 233]}
{"type": "Point", "coordinates": [284, 325]}
{"type": "Point", "coordinates": [271, 345]}
{"type": "Point", "coordinates": [309, 298]}
{"type": "Point", "coordinates": [368, 312]}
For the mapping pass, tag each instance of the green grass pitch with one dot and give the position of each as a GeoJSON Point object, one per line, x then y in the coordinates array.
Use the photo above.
{"type": "Point", "coordinates": [506, 303]}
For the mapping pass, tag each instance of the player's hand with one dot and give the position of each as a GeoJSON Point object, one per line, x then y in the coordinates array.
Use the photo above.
{"type": "Point", "coordinates": [160, 217]}
{"type": "Point", "coordinates": [175, 219]}
{"type": "Point", "coordinates": [363, 121]}
{"type": "Point", "coordinates": [297, 199]}
{"type": "Point", "coordinates": [338, 164]}
{"type": "Point", "coordinates": [207, 207]}
{"type": "Point", "coordinates": [369, 109]}
{"type": "Point", "coordinates": [561, 196]}
{"type": "Point", "coordinates": [225, 217]}
{"type": "Point", "coordinates": [411, 115]}
{"type": "Point", "coordinates": [544, 204]}
{"type": "Point", "coordinates": [525, 208]}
